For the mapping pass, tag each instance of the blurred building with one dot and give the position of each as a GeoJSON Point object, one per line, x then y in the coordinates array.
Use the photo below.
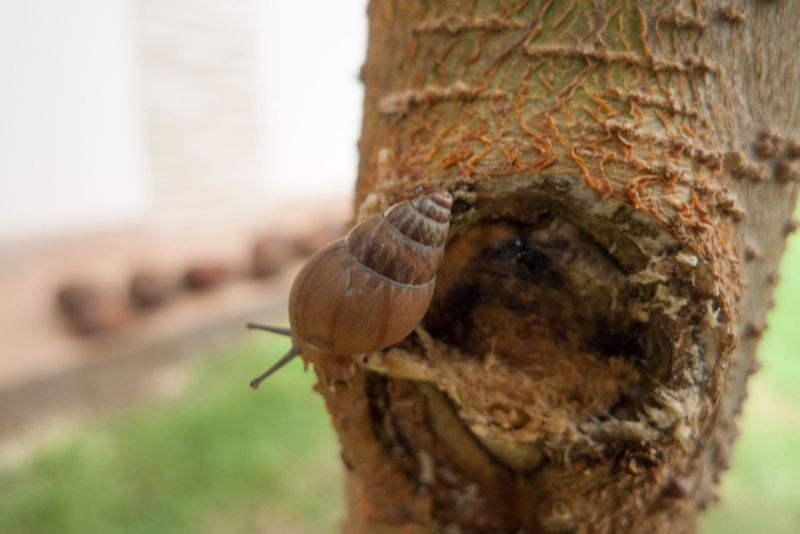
{"type": "Point", "coordinates": [173, 112]}
{"type": "Point", "coordinates": [157, 133]}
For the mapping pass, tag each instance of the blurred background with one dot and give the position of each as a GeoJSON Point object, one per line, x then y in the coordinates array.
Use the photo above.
{"type": "Point", "coordinates": [165, 166]}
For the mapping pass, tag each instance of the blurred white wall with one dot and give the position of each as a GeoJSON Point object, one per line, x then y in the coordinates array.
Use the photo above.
{"type": "Point", "coordinates": [311, 105]}
{"type": "Point", "coordinates": [79, 142]}
{"type": "Point", "coordinates": [72, 146]}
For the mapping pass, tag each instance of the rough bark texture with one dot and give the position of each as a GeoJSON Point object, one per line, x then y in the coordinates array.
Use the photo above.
{"type": "Point", "coordinates": [624, 175]}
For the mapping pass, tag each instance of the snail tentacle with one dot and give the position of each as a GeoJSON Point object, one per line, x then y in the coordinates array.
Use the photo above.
{"type": "Point", "coordinates": [274, 329]}
{"type": "Point", "coordinates": [286, 358]}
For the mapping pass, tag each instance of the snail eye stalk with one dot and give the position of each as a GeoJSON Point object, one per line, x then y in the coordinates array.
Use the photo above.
{"type": "Point", "coordinates": [286, 358]}
{"type": "Point", "coordinates": [268, 328]}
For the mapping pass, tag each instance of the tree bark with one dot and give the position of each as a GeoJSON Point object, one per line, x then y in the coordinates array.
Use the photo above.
{"type": "Point", "coordinates": [624, 175]}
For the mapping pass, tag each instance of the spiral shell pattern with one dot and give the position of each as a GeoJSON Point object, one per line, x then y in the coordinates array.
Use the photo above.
{"type": "Point", "coordinates": [370, 289]}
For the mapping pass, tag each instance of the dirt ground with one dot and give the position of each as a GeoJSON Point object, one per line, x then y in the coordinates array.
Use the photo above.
{"type": "Point", "coordinates": [48, 371]}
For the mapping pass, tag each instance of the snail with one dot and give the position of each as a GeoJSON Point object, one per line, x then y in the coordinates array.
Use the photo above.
{"type": "Point", "coordinates": [371, 288]}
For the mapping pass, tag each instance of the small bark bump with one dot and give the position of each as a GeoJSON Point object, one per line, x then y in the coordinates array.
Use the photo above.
{"type": "Point", "coordinates": [682, 20]}
{"type": "Point", "coordinates": [678, 487]}
{"type": "Point", "coordinates": [741, 167]}
{"type": "Point", "coordinates": [731, 14]}
{"type": "Point", "coordinates": [767, 147]}
{"type": "Point", "coordinates": [755, 329]}
{"type": "Point", "coordinates": [786, 172]}
{"type": "Point", "coordinates": [401, 102]}
{"type": "Point", "coordinates": [454, 24]}
{"type": "Point", "coordinates": [793, 149]}
{"type": "Point", "coordinates": [751, 252]}
{"type": "Point", "coordinates": [729, 205]}
{"type": "Point", "coordinates": [773, 278]}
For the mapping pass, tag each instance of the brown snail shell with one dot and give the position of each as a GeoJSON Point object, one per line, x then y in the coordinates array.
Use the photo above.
{"type": "Point", "coordinates": [371, 288]}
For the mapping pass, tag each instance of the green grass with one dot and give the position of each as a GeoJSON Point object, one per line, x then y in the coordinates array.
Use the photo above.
{"type": "Point", "coordinates": [221, 458]}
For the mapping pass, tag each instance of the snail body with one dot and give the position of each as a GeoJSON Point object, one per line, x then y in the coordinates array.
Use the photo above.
{"type": "Point", "coordinates": [371, 288]}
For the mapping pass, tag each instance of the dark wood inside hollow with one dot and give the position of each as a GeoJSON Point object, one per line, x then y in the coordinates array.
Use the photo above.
{"type": "Point", "coordinates": [542, 278]}
{"type": "Point", "coordinates": [602, 355]}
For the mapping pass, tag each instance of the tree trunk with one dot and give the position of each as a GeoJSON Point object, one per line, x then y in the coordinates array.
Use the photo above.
{"type": "Point", "coordinates": [624, 175]}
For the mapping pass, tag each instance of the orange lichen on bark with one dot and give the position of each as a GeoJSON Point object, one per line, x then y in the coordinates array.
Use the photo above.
{"type": "Point", "coordinates": [598, 181]}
